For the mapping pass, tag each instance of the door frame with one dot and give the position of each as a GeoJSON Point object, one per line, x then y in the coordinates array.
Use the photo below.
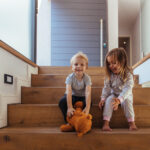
{"type": "Point", "coordinates": [130, 47]}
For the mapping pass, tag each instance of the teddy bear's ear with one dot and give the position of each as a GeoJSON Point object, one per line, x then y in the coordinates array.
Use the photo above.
{"type": "Point", "coordinates": [78, 104]}
{"type": "Point", "coordinates": [89, 117]}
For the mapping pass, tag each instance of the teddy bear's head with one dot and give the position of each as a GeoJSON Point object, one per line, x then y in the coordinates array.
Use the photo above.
{"type": "Point", "coordinates": [78, 107]}
{"type": "Point", "coordinates": [78, 104]}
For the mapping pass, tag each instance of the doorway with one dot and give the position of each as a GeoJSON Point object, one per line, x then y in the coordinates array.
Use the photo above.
{"type": "Point", "coordinates": [125, 43]}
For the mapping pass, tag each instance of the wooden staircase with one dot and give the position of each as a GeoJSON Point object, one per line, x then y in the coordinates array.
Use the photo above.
{"type": "Point", "coordinates": [34, 124]}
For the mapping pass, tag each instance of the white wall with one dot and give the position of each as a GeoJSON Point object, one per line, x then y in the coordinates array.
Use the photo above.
{"type": "Point", "coordinates": [44, 33]}
{"type": "Point", "coordinates": [15, 25]}
{"type": "Point", "coordinates": [11, 93]}
{"type": "Point", "coordinates": [124, 31]}
{"type": "Point", "coordinates": [136, 41]}
{"type": "Point", "coordinates": [129, 26]}
{"type": "Point", "coordinates": [112, 7]}
{"type": "Point", "coordinates": [144, 72]}
{"type": "Point", "coordinates": [145, 26]}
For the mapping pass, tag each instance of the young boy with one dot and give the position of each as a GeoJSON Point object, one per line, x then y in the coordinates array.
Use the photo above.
{"type": "Point", "coordinates": [78, 86]}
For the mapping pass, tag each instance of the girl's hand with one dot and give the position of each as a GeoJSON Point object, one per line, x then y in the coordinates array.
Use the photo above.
{"type": "Point", "coordinates": [70, 112]}
{"type": "Point", "coordinates": [101, 104]}
{"type": "Point", "coordinates": [115, 103]}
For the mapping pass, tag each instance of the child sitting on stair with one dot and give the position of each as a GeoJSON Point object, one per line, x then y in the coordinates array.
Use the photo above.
{"type": "Point", "coordinates": [78, 86]}
{"type": "Point", "coordinates": [117, 88]}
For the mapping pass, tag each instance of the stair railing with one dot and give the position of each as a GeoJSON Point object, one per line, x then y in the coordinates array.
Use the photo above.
{"type": "Point", "coordinates": [101, 42]}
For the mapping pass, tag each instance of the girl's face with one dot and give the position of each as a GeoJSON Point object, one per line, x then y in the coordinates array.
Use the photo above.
{"type": "Point", "coordinates": [79, 66]}
{"type": "Point", "coordinates": [113, 65]}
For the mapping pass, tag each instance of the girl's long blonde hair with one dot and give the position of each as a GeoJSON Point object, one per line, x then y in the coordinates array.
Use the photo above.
{"type": "Point", "coordinates": [120, 56]}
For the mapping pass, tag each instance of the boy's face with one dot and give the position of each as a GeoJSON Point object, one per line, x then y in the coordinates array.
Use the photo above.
{"type": "Point", "coordinates": [79, 66]}
{"type": "Point", "coordinates": [113, 65]}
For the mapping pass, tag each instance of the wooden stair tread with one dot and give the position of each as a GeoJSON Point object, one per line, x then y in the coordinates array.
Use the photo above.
{"type": "Point", "coordinates": [52, 138]}
{"type": "Point", "coordinates": [50, 115]}
{"type": "Point", "coordinates": [51, 130]}
{"type": "Point", "coordinates": [67, 69]}
{"type": "Point", "coordinates": [51, 95]}
{"type": "Point", "coordinates": [59, 80]}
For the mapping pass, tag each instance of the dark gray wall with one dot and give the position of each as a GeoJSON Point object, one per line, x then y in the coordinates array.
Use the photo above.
{"type": "Point", "coordinates": [76, 27]}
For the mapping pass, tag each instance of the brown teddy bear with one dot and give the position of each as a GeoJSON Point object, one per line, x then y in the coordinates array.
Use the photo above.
{"type": "Point", "coordinates": [79, 121]}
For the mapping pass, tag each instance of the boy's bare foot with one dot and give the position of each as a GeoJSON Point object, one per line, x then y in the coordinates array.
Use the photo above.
{"type": "Point", "coordinates": [132, 126]}
{"type": "Point", "coordinates": [106, 126]}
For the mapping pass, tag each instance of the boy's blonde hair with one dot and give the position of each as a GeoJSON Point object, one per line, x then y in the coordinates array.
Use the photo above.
{"type": "Point", "coordinates": [119, 55]}
{"type": "Point", "coordinates": [79, 55]}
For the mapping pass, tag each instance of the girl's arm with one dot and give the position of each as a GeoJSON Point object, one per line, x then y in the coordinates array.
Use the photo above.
{"type": "Point", "coordinates": [127, 89]}
{"type": "Point", "coordinates": [88, 99]}
{"type": "Point", "coordinates": [106, 90]}
{"type": "Point", "coordinates": [70, 110]}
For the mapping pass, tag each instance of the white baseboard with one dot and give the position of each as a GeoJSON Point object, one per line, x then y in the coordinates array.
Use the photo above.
{"type": "Point", "coordinates": [146, 84]}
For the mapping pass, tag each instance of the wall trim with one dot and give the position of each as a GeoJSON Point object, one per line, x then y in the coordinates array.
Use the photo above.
{"type": "Point", "coordinates": [146, 84]}
{"type": "Point", "coordinates": [141, 61]}
{"type": "Point", "coordinates": [16, 53]}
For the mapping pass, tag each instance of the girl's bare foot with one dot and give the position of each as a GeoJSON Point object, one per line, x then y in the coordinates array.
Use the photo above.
{"type": "Point", "coordinates": [132, 126]}
{"type": "Point", "coordinates": [106, 126]}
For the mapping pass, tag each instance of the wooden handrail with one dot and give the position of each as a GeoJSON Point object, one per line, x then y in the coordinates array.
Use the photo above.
{"type": "Point", "coordinates": [16, 53]}
{"type": "Point", "coordinates": [141, 61]}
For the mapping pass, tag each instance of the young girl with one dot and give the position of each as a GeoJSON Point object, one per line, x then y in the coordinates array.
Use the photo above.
{"type": "Point", "coordinates": [78, 86]}
{"type": "Point", "coordinates": [117, 88]}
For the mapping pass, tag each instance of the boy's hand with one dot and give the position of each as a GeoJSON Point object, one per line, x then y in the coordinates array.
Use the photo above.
{"type": "Point", "coordinates": [86, 110]}
{"type": "Point", "coordinates": [115, 103]}
{"type": "Point", "coordinates": [101, 104]}
{"type": "Point", "coordinates": [70, 111]}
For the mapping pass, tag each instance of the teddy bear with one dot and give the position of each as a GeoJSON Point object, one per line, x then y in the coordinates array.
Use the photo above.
{"type": "Point", "coordinates": [79, 121]}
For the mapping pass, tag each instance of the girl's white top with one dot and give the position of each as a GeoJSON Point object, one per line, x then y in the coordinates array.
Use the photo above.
{"type": "Point", "coordinates": [117, 87]}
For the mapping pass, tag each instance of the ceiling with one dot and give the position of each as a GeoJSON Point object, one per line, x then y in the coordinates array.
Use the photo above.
{"type": "Point", "coordinates": [128, 11]}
